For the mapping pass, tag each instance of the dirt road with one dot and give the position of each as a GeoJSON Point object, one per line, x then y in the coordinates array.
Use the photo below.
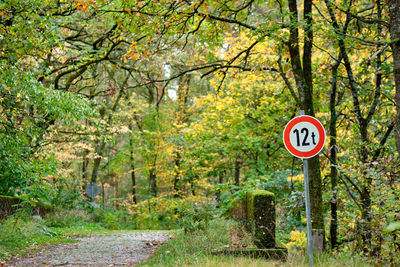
{"type": "Point", "coordinates": [119, 249]}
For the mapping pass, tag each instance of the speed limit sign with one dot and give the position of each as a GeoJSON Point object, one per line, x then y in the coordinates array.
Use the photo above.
{"type": "Point", "coordinates": [304, 137]}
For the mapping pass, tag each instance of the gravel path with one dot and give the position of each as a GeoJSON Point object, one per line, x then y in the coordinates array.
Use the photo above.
{"type": "Point", "coordinates": [121, 249]}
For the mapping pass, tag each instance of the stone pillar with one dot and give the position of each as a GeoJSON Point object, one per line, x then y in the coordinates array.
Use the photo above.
{"type": "Point", "coordinates": [261, 217]}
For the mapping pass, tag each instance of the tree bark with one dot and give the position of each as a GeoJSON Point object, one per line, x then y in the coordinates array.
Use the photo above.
{"type": "Point", "coordinates": [153, 181]}
{"type": "Point", "coordinates": [181, 118]}
{"type": "Point", "coordinates": [115, 193]}
{"type": "Point", "coordinates": [177, 174]}
{"type": "Point", "coordinates": [96, 162]}
{"type": "Point", "coordinates": [220, 181]}
{"type": "Point", "coordinates": [394, 13]}
{"type": "Point", "coordinates": [333, 155]}
{"type": "Point", "coordinates": [237, 172]}
{"type": "Point", "coordinates": [304, 82]}
{"type": "Point", "coordinates": [85, 164]}
{"type": "Point", "coordinates": [133, 178]}
{"type": "Point", "coordinates": [132, 161]}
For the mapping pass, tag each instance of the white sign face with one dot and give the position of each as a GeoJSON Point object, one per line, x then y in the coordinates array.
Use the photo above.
{"type": "Point", "coordinates": [304, 136]}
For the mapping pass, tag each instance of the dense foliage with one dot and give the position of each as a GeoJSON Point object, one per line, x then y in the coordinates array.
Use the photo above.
{"type": "Point", "coordinates": [176, 108]}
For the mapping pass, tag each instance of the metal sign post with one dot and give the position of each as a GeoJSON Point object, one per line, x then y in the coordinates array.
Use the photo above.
{"type": "Point", "coordinates": [304, 137]}
{"type": "Point", "coordinates": [308, 208]}
{"type": "Point", "coordinates": [308, 212]}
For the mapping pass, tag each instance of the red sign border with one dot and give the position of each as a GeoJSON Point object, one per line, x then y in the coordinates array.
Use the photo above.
{"type": "Point", "coordinates": [291, 124]}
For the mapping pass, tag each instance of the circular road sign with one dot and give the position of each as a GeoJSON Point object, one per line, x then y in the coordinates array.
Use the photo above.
{"type": "Point", "coordinates": [92, 190]}
{"type": "Point", "coordinates": [304, 137]}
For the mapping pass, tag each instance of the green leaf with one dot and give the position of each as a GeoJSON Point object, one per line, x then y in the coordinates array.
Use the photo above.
{"type": "Point", "coordinates": [392, 227]}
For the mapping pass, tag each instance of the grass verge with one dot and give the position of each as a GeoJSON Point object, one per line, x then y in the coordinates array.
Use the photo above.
{"type": "Point", "coordinates": [20, 235]}
{"type": "Point", "coordinates": [188, 248]}
{"type": "Point", "coordinates": [294, 260]}
{"type": "Point", "coordinates": [194, 249]}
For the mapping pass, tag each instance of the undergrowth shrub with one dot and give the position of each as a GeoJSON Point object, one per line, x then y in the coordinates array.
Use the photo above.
{"type": "Point", "coordinates": [17, 235]}
{"type": "Point", "coordinates": [190, 213]}
{"type": "Point", "coordinates": [67, 218]}
{"type": "Point", "coordinates": [113, 219]}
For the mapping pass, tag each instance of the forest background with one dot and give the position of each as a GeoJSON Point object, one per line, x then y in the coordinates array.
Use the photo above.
{"type": "Point", "coordinates": [176, 108]}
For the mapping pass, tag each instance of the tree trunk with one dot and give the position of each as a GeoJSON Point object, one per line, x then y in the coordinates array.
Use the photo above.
{"type": "Point", "coordinates": [220, 181]}
{"type": "Point", "coordinates": [177, 174]}
{"type": "Point", "coordinates": [333, 157]}
{"type": "Point", "coordinates": [366, 231]}
{"type": "Point", "coordinates": [103, 194]}
{"type": "Point", "coordinates": [153, 181]}
{"type": "Point", "coordinates": [132, 161]}
{"type": "Point", "coordinates": [363, 121]}
{"type": "Point", "coordinates": [237, 172]}
{"type": "Point", "coordinates": [192, 189]}
{"type": "Point", "coordinates": [85, 164]}
{"type": "Point", "coordinates": [96, 162]}
{"type": "Point", "coordinates": [304, 82]}
{"type": "Point", "coordinates": [181, 118]}
{"type": "Point", "coordinates": [394, 13]}
{"type": "Point", "coordinates": [115, 192]}
{"type": "Point", "coordinates": [133, 178]}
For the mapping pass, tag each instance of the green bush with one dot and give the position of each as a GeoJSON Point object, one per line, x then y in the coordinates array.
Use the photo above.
{"type": "Point", "coordinates": [196, 218]}
{"type": "Point", "coordinates": [69, 196]}
{"type": "Point", "coordinates": [162, 213]}
{"type": "Point", "coordinates": [67, 218]}
{"type": "Point", "coordinates": [113, 219]}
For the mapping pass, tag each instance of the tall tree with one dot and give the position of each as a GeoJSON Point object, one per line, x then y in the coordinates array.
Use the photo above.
{"type": "Point", "coordinates": [366, 107]}
{"type": "Point", "coordinates": [394, 14]}
{"type": "Point", "coordinates": [302, 70]}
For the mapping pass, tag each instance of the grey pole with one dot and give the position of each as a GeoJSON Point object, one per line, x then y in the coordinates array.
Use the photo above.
{"type": "Point", "coordinates": [308, 208]}
{"type": "Point", "coordinates": [91, 191]}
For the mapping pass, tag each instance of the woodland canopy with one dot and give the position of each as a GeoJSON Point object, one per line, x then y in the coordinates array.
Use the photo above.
{"type": "Point", "coordinates": [172, 107]}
